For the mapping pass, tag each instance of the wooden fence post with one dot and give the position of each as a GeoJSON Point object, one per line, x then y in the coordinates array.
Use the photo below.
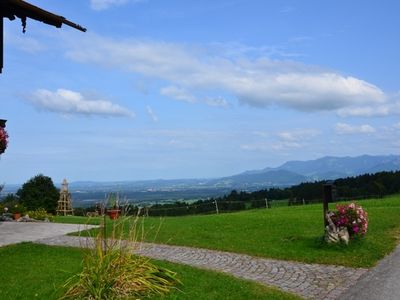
{"type": "Point", "coordinates": [216, 206]}
{"type": "Point", "coordinates": [328, 197]}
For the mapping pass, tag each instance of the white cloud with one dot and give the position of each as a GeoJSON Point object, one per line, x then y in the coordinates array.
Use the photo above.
{"type": "Point", "coordinates": [183, 95]}
{"type": "Point", "coordinates": [69, 102]}
{"type": "Point", "coordinates": [217, 101]}
{"type": "Point", "coordinates": [178, 94]}
{"type": "Point", "coordinates": [23, 42]}
{"type": "Point", "coordinates": [151, 113]}
{"type": "Point", "coordinates": [105, 4]}
{"type": "Point", "coordinates": [380, 110]}
{"type": "Point", "coordinates": [343, 128]}
{"type": "Point", "coordinates": [397, 125]}
{"type": "Point", "coordinates": [259, 82]}
{"type": "Point", "coordinates": [298, 135]}
{"type": "Point", "coordinates": [287, 145]}
{"type": "Point", "coordinates": [294, 139]}
{"type": "Point", "coordinates": [283, 140]}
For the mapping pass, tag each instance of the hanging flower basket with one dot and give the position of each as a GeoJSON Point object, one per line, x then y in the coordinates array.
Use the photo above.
{"type": "Point", "coordinates": [3, 140]}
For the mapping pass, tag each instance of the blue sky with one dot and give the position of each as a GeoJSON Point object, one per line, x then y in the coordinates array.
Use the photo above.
{"type": "Point", "coordinates": [182, 89]}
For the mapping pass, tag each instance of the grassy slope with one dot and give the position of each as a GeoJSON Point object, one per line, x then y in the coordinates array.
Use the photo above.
{"type": "Point", "coordinates": [290, 233]}
{"type": "Point", "coordinates": [32, 271]}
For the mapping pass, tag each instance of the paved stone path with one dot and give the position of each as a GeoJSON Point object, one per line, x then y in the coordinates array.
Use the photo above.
{"type": "Point", "coordinates": [16, 232]}
{"type": "Point", "coordinates": [381, 283]}
{"type": "Point", "coordinates": [311, 281]}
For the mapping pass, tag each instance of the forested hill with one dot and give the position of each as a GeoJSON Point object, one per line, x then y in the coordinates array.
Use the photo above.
{"type": "Point", "coordinates": [359, 187]}
{"type": "Point", "coordinates": [367, 185]}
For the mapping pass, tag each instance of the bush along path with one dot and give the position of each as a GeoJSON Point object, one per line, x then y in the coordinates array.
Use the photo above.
{"type": "Point", "coordinates": [311, 281]}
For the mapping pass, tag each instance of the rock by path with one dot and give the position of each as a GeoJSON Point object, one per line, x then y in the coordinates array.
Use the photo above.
{"type": "Point", "coordinates": [311, 281]}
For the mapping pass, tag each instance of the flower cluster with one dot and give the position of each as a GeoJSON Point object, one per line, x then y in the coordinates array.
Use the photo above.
{"type": "Point", "coordinates": [353, 217]}
{"type": "Point", "coordinates": [3, 140]}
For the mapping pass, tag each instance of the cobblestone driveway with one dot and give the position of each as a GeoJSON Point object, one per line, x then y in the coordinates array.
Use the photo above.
{"type": "Point", "coordinates": [311, 281]}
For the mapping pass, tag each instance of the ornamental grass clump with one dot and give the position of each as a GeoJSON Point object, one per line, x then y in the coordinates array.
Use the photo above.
{"type": "Point", "coordinates": [353, 217]}
{"type": "Point", "coordinates": [112, 271]}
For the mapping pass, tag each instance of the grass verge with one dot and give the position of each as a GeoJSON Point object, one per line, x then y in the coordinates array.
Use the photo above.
{"type": "Point", "coordinates": [33, 271]}
{"type": "Point", "coordinates": [289, 233]}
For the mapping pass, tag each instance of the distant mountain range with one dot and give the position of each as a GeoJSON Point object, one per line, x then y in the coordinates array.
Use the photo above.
{"type": "Point", "coordinates": [290, 173]}
{"type": "Point", "coordinates": [328, 167]}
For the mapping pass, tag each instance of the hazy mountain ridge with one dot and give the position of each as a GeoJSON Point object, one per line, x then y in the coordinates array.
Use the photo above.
{"type": "Point", "coordinates": [343, 166]}
{"type": "Point", "coordinates": [288, 174]}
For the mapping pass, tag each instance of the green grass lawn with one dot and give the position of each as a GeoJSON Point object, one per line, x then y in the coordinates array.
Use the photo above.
{"type": "Point", "coordinates": [289, 233]}
{"type": "Point", "coordinates": [33, 271]}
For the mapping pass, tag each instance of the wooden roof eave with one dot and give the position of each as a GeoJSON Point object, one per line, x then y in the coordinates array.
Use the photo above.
{"type": "Point", "coordinates": [21, 9]}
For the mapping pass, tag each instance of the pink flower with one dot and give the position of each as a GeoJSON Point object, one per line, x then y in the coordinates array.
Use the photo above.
{"type": "Point", "coordinates": [3, 140]}
{"type": "Point", "coordinates": [353, 217]}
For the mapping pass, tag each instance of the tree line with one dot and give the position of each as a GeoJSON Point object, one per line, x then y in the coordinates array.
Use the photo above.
{"type": "Point", "coordinates": [360, 187]}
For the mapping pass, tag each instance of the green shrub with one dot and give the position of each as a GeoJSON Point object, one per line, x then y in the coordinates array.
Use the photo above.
{"type": "Point", "coordinates": [39, 192]}
{"type": "Point", "coordinates": [40, 214]}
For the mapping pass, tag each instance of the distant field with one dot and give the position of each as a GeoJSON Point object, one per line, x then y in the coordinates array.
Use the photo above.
{"type": "Point", "coordinates": [32, 271]}
{"type": "Point", "coordinates": [290, 233]}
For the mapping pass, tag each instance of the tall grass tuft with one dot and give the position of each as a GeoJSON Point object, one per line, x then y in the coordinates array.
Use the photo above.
{"type": "Point", "coordinates": [112, 271]}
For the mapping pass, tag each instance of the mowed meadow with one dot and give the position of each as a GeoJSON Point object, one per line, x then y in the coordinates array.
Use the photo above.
{"type": "Point", "coordinates": [288, 233]}
{"type": "Point", "coordinates": [37, 271]}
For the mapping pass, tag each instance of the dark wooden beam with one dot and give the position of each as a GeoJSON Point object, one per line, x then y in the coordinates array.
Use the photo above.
{"type": "Point", "coordinates": [23, 10]}
{"type": "Point", "coordinates": [13, 9]}
{"type": "Point", "coordinates": [1, 43]}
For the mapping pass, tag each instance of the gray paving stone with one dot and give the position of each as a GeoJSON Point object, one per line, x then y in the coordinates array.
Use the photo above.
{"type": "Point", "coordinates": [16, 232]}
{"type": "Point", "coordinates": [311, 281]}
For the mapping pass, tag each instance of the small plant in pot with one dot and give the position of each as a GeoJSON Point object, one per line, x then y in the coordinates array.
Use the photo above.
{"type": "Point", "coordinates": [17, 210]}
{"type": "Point", "coordinates": [113, 210]}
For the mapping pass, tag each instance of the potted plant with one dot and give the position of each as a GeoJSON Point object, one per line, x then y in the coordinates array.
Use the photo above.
{"type": "Point", "coordinates": [17, 210]}
{"type": "Point", "coordinates": [113, 206]}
